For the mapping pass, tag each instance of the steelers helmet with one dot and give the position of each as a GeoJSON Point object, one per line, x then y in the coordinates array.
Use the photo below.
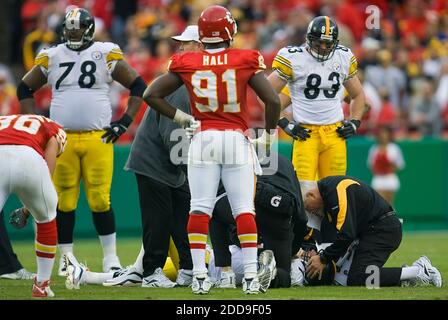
{"type": "Point", "coordinates": [78, 28]}
{"type": "Point", "coordinates": [322, 38]}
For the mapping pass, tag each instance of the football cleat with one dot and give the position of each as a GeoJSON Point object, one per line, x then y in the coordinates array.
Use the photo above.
{"type": "Point", "coordinates": [201, 285]}
{"type": "Point", "coordinates": [42, 290]}
{"type": "Point", "coordinates": [62, 271]}
{"type": "Point", "coordinates": [226, 281]}
{"type": "Point", "coordinates": [266, 269]}
{"type": "Point", "coordinates": [128, 277]}
{"type": "Point", "coordinates": [75, 272]}
{"type": "Point", "coordinates": [252, 286]}
{"type": "Point", "coordinates": [21, 274]}
{"type": "Point", "coordinates": [111, 263]}
{"type": "Point", "coordinates": [158, 280]}
{"type": "Point", "coordinates": [428, 274]}
{"type": "Point", "coordinates": [184, 278]}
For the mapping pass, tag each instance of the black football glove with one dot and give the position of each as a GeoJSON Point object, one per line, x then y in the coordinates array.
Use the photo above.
{"type": "Point", "coordinates": [19, 217]}
{"type": "Point", "coordinates": [296, 131]}
{"type": "Point", "coordinates": [348, 128]}
{"type": "Point", "coordinates": [117, 128]}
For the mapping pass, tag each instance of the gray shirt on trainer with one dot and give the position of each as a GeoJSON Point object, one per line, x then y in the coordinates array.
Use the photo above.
{"type": "Point", "coordinates": [150, 151]}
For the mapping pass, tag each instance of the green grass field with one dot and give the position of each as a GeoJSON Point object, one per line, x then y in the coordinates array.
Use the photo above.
{"type": "Point", "coordinates": [434, 245]}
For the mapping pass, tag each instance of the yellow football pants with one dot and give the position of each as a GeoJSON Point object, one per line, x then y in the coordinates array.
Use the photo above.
{"type": "Point", "coordinates": [85, 157]}
{"type": "Point", "coordinates": [323, 154]}
{"type": "Point", "coordinates": [172, 262]}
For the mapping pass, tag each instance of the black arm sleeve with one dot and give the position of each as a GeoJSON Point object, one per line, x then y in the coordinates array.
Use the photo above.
{"type": "Point", "coordinates": [137, 87]}
{"type": "Point", "coordinates": [24, 92]}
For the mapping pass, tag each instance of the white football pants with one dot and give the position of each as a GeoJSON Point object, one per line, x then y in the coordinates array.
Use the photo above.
{"type": "Point", "coordinates": [25, 173]}
{"type": "Point", "coordinates": [227, 156]}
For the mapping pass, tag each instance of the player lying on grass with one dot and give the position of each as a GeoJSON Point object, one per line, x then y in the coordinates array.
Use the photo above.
{"type": "Point", "coordinates": [420, 273]}
{"type": "Point", "coordinates": [357, 212]}
{"type": "Point", "coordinates": [78, 274]}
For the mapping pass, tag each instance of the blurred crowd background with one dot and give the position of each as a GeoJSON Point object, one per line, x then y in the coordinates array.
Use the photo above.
{"type": "Point", "coordinates": [403, 64]}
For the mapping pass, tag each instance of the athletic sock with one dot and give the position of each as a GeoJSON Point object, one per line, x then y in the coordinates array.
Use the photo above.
{"type": "Point", "coordinates": [108, 242]}
{"type": "Point", "coordinates": [138, 264]}
{"type": "Point", "coordinates": [105, 226]}
{"type": "Point", "coordinates": [197, 235]}
{"type": "Point", "coordinates": [45, 246]}
{"type": "Point", "coordinates": [247, 234]}
{"type": "Point", "coordinates": [65, 248]}
{"type": "Point", "coordinates": [65, 224]}
{"type": "Point", "coordinates": [97, 277]}
{"type": "Point", "coordinates": [409, 273]}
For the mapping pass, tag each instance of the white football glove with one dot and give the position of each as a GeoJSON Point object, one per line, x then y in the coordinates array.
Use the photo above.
{"type": "Point", "coordinates": [264, 141]}
{"type": "Point", "coordinates": [191, 129]}
{"type": "Point", "coordinates": [183, 119]}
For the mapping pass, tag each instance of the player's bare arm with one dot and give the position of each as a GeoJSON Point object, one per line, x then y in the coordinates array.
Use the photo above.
{"type": "Point", "coordinates": [278, 84]}
{"type": "Point", "coordinates": [31, 82]}
{"type": "Point", "coordinates": [126, 76]}
{"type": "Point", "coordinates": [358, 99]}
{"type": "Point", "coordinates": [129, 78]}
{"type": "Point", "coordinates": [267, 94]}
{"type": "Point", "coordinates": [161, 87]}
{"type": "Point", "coordinates": [357, 108]}
{"type": "Point", "coordinates": [51, 153]}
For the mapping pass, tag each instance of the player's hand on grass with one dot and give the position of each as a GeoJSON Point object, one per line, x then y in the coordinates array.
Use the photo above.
{"type": "Point", "coordinates": [19, 218]}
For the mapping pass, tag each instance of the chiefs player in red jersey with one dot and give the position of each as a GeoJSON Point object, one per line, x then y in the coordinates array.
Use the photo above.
{"type": "Point", "coordinates": [29, 145]}
{"type": "Point", "coordinates": [217, 79]}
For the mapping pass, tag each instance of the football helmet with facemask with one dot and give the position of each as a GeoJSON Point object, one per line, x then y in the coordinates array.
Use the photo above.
{"type": "Point", "coordinates": [78, 28]}
{"type": "Point", "coordinates": [322, 38]}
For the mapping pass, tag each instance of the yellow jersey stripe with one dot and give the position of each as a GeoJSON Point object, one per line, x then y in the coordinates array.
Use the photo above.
{"type": "Point", "coordinates": [114, 55]}
{"type": "Point", "coordinates": [285, 70]}
{"type": "Point", "coordinates": [44, 248]}
{"type": "Point", "coordinates": [284, 61]}
{"type": "Point", "coordinates": [308, 236]}
{"type": "Point", "coordinates": [342, 199]}
{"type": "Point", "coordinates": [42, 61]}
{"type": "Point", "coordinates": [286, 91]}
{"type": "Point", "coordinates": [327, 26]}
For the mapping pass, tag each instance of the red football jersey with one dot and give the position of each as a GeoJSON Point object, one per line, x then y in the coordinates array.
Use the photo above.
{"type": "Point", "coordinates": [217, 84]}
{"type": "Point", "coordinates": [30, 130]}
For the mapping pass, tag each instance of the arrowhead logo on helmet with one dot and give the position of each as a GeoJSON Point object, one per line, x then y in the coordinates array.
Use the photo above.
{"type": "Point", "coordinates": [216, 24]}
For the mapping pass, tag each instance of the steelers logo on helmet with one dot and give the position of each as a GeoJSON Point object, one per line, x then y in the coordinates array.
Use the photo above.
{"type": "Point", "coordinates": [322, 38]}
{"type": "Point", "coordinates": [78, 28]}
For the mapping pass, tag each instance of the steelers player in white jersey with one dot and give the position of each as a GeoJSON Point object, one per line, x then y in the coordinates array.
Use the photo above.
{"type": "Point", "coordinates": [80, 72]}
{"type": "Point", "coordinates": [312, 78]}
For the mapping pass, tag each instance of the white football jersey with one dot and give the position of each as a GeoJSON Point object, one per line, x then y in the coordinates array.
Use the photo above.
{"type": "Point", "coordinates": [80, 82]}
{"type": "Point", "coordinates": [316, 88]}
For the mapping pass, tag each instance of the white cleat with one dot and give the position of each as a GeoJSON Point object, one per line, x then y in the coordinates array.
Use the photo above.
{"type": "Point", "coordinates": [184, 278]}
{"type": "Point", "coordinates": [21, 274]}
{"type": "Point", "coordinates": [266, 269]}
{"type": "Point", "coordinates": [62, 271]}
{"type": "Point", "coordinates": [128, 277]}
{"type": "Point", "coordinates": [226, 281]}
{"type": "Point", "coordinates": [158, 280]}
{"type": "Point", "coordinates": [111, 263]}
{"type": "Point", "coordinates": [201, 285]}
{"type": "Point", "coordinates": [428, 274]}
{"type": "Point", "coordinates": [75, 272]}
{"type": "Point", "coordinates": [252, 286]}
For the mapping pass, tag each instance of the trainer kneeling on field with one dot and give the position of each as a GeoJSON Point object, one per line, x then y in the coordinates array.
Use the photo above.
{"type": "Point", "coordinates": [359, 212]}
